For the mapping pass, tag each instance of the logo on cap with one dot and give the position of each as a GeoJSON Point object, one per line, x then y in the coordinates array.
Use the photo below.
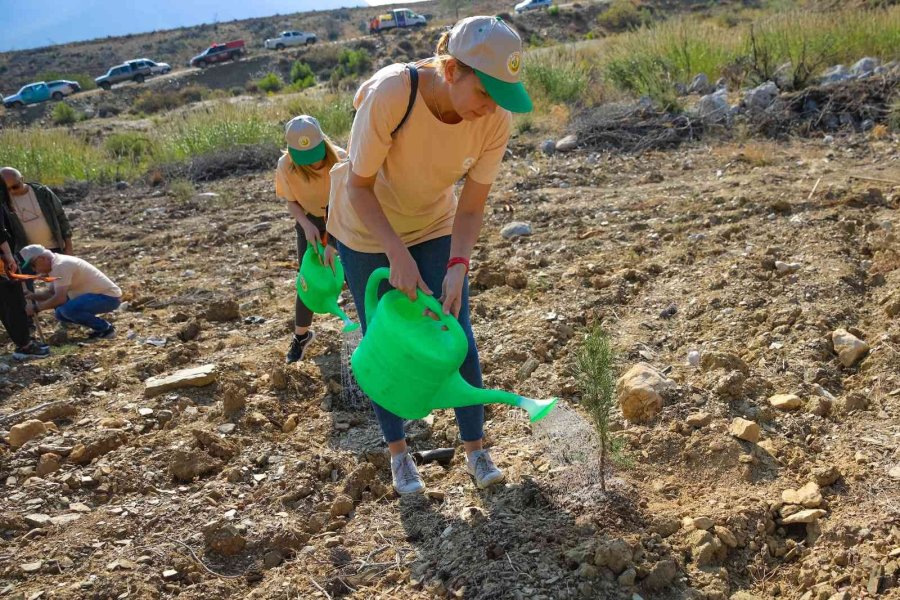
{"type": "Point", "coordinates": [514, 63]}
{"type": "Point", "coordinates": [303, 142]}
{"type": "Point", "coordinates": [303, 285]}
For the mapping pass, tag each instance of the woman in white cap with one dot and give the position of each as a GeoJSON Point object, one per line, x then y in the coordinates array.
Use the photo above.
{"type": "Point", "coordinates": [302, 179]}
{"type": "Point", "coordinates": [417, 131]}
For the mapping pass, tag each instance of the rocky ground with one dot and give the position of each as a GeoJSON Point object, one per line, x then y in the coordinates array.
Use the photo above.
{"type": "Point", "coordinates": [754, 288]}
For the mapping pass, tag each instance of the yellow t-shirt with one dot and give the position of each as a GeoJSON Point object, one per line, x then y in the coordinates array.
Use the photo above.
{"type": "Point", "coordinates": [417, 169]}
{"type": "Point", "coordinates": [82, 277]}
{"type": "Point", "coordinates": [37, 230]}
{"type": "Point", "coordinates": [311, 195]}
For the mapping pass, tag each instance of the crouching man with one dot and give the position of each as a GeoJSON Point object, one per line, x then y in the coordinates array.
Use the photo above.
{"type": "Point", "coordinates": [80, 292]}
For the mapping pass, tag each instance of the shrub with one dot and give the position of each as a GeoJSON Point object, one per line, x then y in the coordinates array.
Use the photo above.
{"type": "Point", "coordinates": [270, 83]}
{"type": "Point", "coordinates": [594, 371]}
{"type": "Point", "coordinates": [131, 146]}
{"type": "Point", "coordinates": [623, 14]}
{"type": "Point", "coordinates": [302, 76]}
{"type": "Point", "coordinates": [553, 11]}
{"type": "Point", "coordinates": [63, 114]}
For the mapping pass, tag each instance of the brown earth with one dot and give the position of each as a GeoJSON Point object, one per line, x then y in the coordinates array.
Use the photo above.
{"type": "Point", "coordinates": [288, 496]}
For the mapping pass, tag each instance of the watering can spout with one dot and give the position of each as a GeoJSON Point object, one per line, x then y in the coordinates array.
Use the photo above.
{"type": "Point", "coordinates": [456, 393]}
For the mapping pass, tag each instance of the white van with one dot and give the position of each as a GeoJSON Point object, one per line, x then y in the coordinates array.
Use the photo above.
{"type": "Point", "coordinates": [532, 5]}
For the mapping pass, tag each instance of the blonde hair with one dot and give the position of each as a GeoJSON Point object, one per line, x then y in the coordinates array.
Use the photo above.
{"type": "Point", "coordinates": [442, 57]}
{"type": "Point", "coordinates": [331, 157]}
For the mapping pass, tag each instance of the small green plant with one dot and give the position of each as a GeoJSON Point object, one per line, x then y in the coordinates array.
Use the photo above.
{"type": "Point", "coordinates": [302, 76]}
{"type": "Point", "coordinates": [561, 83]}
{"type": "Point", "coordinates": [131, 146]}
{"type": "Point", "coordinates": [622, 15]}
{"type": "Point", "coordinates": [63, 114]}
{"type": "Point", "coordinates": [271, 83]}
{"type": "Point", "coordinates": [182, 190]}
{"type": "Point", "coordinates": [553, 11]}
{"type": "Point", "coordinates": [594, 369]}
{"type": "Point", "coordinates": [351, 64]}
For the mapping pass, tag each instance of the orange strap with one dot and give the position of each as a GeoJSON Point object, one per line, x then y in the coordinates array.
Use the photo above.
{"type": "Point", "coordinates": [20, 277]}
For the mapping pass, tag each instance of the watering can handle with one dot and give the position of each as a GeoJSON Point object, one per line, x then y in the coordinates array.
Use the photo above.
{"type": "Point", "coordinates": [383, 274]}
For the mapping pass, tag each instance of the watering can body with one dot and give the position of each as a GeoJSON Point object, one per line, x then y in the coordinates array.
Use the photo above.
{"type": "Point", "coordinates": [408, 362]}
{"type": "Point", "coordinates": [319, 287]}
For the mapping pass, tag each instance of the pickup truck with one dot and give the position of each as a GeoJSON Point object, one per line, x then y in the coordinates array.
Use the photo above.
{"type": "Point", "coordinates": [218, 53]}
{"type": "Point", "coordinates": [130, 71]}
{"type": "Point", "coordinates": [290, 38]}
{"type": "Point", "coordinates": [399, 17]}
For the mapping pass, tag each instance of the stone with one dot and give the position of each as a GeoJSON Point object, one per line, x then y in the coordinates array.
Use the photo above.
{"type": "Point", "coordinates": [290, 423]}
{"type": "Point", "coordinates": [32, 567]}
{"type": "Point", "coordinates": [223, 538]}
{"type": "Point", "coordinates": [113, 423]}
{"type": "Point", "coordinates": [825, 475]}
{"type": "Point", "coordinates": [223, 310]}
{"type": "Point", "coordinates": [661, 575]}
{"type": "Point", "coordinates": [761, 97]}
{"type": "Point", "coordinates": [615, 555]}
{"type": "Point", "coordinates": [527, 368]}
{"type": "Point", "coordinates": [849, 348]}
{"type": "Point", "coordinates": [714, 108]}
{"type": "Point", "coordinates": [20, 434]}
{"type": "Point", "coordinates": [515, 229]}
{"type": "Point", "coordinates": [37, 519]}
{"type": "Point", "coordinates": [170, 575]}
{"type": "Point", "coordinates": [342, 506]}
{"type": "Point", "coordinates": [725, 536]}
{"type": "Point", "coordinates": [189, 331]}
{"type": "Point", "coordinates": [48, 463]}
{"type": "Point", "coordinates": [808, 495]}
{"type": "Point", "coordinates": [640, 392]}
{"type": "Point", "coordinates": [234, 399]}
{"type": "Point", "coordinates": [700, 85]}
{"type": "Point", "coordinates": [548, 147]}
{"type": "Point", "coordinates": [626, 579]}
{"type": "Point", "coordinates": [804, 516]}
{"type": "Point", "coordinates": [864, 66]}
{"type": "Point", "coordinates": [567, 144]}
{"type": "Point", "coordinates": [894, 472]}
{"type": "Point", "coordinates": [724, 361]}
{"type": "Point", "coordinates": [62, 520]}
{"type": "Point", "coordinates": [193, 377]}
{"type": "Point", "coordinates": [701, 523]}
{"type": "Point", "coordinates": [187, 465]}
{"type": "Point", "coordinates": [835, 74]}
{"type": "Point", "coordinates": [785, 268]}
{"type": "Point", "coordinates": [785, 401]}
{"type": "Point", "coordinates": [272, 559]}
{"type": "Point", "coordinates": [361, 478]}
{"type": "Point", "coordinates": [744, 429]}
{"type": "Point", "coordinates": [700, 419]}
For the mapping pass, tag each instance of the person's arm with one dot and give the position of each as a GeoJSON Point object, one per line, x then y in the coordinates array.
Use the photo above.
{"type": "Point", "coordinates": [9, 260]}
{"type": "Point", "coordinates": [65, 228]}
{"type": "Point", "coordinates": [405, 274]}
{"type": "Point", "coordinates": [67, 247]}
{"type": "Point", "coordinates": [466, 229]}
{"type": "Point", "coordinates": [56, 296]}
{"type": "Point", "coordinates": [309, 228]}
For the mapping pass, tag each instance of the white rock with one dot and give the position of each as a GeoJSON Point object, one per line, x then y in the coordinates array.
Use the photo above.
{"type": "Point", "coordinates": [567, 144]}
{"type": "Point", "coordinates": [744, 429]}
{"type": "Point", "coordinates": [808, 495]}
{"type": "Point", "coordinates": [849, 348]}
{"type": "Point", "coordinates": [515, 229]}
{"type": "Point", "coordinates": [785, 401]}
{"type": "Point", "coordinates": [804, 516]}
{"type": "Point", "coordinates": [195, 377]}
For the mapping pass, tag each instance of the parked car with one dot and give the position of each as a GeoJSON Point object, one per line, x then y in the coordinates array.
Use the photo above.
{"type": "Point", "coordinates": [399, 17]}
{"type": "Point", "coordinates": [29, 94]}
{"type": "Point", "coordinates": [155, 67]}
{"type": "Point", "coordinates": [218, 53]}
{"type": "Point", "coordinates": [532, 5]}
{"type": "Point", "coordinates": [63, 87]}
{"type": "Point", "coordinates": [124, 72]}
{"type": "Point", "coordinates": [290, 38]}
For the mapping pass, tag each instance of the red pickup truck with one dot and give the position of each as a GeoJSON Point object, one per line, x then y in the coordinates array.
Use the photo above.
{"type": "Point", "coordinates": [219, 53]}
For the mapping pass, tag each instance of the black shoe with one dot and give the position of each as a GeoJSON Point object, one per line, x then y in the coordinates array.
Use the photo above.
{"type": "Point", "coordinates": [32, 350]}
{"type": "Point", "coordinates": [298, 346]}
{"type": "Point", "coordinates": [105, 334]}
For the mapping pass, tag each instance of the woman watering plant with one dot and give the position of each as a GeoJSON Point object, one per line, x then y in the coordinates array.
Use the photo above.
{"type": "Point", "coordinates": [417, 131]}
{"type": "Point", "coordinates": [303, 180]}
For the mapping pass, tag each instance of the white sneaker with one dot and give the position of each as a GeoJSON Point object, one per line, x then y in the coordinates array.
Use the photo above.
{"type": "Point", "coordinates": [480, 466]}
{"type": "Point", "coordinates": [406, 476]}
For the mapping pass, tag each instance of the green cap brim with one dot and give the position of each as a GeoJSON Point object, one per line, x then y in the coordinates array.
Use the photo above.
{"type": "Point", "coordinates": [26, 263]}
{"type": "Point", "coordinates": [308, 157]}
{"type": "Point", "coordinates": [511, 96]}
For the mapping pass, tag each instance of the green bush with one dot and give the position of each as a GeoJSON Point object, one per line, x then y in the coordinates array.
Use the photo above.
{"type": "Point", "coordinates": [334, 112]}
{"type": "Point", "coordinates": [63, 114]}
{"type": "Point", "coordinates": [622, 15]}
{"type": "Point", "coordinates": [270, 83]}
{"type": "Point", "coordinates": [351, 64]}
{"type": "Point", "coordinates": [302, 76]}
{"type": "Point", "coordinates": [155, 101]}
{"type": "Point", "coordinates": [553, 11]}
{"type": "Point", "coordinates": [131, 146]}
{"type": "Point", "coordinates": [561, 83]}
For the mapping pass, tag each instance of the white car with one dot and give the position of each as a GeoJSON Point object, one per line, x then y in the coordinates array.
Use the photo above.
{"type": "Point", "coordinates": [291, 38]}
{"type": "Point", "coordinates": [155, 67]}
{"type": "Point", "coordinates": [532, 5]}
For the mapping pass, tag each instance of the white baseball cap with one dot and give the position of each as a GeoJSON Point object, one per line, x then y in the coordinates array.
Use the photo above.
{"type": "Point", "coordinates": [29, 253]}
{"type": "Point", "coordinates": [305, 141]}
{"type": "Point", "coordinates": [494, 50]}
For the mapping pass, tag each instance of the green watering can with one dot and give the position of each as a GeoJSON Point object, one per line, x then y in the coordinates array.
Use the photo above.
{"type": "Point", "coordinates": [319, 287]}
{"type": "Point", "coordinates": [408, 363]}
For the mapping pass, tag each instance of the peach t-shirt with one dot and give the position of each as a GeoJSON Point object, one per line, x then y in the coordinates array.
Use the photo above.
{"type": "Point", "coordinates": [312, 194]}
{"type": "Point", "coordinates": [417, 169]}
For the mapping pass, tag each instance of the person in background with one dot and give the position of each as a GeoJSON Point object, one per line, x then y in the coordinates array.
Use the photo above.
{"type": "Point", "coordinates": [12, 299]}
{"type": "Point", "coordinates": [37, 214]}
{"type": "Point", "coordinates": [393, 203]}
{"type": "Point", "coordinates": [302, 180]}
{"type": "Point", "coordinates": [80, 293]}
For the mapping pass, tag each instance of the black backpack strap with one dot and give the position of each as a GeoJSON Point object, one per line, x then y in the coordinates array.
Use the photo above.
{"type": "Point", "coordinates": [413, 90]}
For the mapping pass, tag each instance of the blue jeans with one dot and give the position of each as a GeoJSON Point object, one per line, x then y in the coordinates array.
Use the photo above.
{"type": "Point", "coordinates": [431, 258]}
{"type": "Point", "coordinates": [84, 309]}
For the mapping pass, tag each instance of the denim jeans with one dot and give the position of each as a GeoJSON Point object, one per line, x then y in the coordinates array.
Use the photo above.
{"type": "Point", "coordinates": [84, 309]}
{"type": "Point", "coordinates": [431, 258]}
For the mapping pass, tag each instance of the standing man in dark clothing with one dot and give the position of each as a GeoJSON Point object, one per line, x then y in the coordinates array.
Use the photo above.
{"type": "Point", "coordinates": [12, 299]}
{"type": "Point", "coordinates": [36, 214]}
